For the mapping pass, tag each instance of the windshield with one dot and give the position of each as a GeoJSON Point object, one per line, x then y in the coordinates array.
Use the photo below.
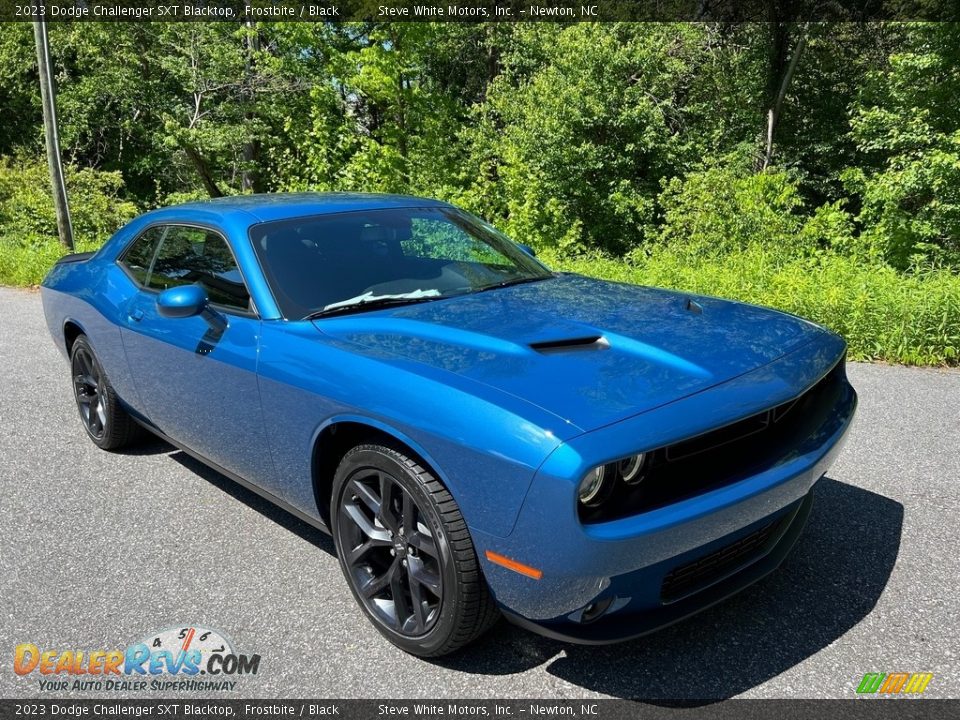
{"type": "Point", "coordinates": [355, 261]}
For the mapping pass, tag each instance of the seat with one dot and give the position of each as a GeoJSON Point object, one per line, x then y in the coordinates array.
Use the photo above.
{"type": "Point", "coordinates": [296, 267]}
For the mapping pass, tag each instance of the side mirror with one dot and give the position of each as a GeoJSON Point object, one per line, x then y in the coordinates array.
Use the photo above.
{"type": "Point", "coordinates": [527, 249]}
{"type": "Point", "coordinates": [182, 301]}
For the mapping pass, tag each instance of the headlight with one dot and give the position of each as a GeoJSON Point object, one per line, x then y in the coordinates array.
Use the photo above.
{"type": "Point", "coordinates": [593, 487]}
{"type": "Point", "coordinates": [598, 484]}
{"type": "Point", "coordinates": [630, 468]}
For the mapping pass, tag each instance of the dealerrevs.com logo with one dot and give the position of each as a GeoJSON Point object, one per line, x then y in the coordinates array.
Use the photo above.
{"type": "Point", "coordinates": [181, 658]}
{"type": "Point", "coordinates": [894, 683]}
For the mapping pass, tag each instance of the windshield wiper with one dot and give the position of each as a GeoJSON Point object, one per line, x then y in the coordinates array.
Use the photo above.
{"type": "Point", "coordinates": [370, 303]}
{"type": "Point", "coordinates": [367, 301]}
{"type": "Point", "coordinates": [514, 281]}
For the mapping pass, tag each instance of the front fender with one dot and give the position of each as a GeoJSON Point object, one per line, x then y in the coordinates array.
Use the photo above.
{"type": "Point", "coordinates": [484, 445]}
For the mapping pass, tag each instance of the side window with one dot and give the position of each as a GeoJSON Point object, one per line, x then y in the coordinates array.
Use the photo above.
{"type": "Point", "coordinates": [138, 256]}
{"type": "Point", "coordinates": [193, 255]}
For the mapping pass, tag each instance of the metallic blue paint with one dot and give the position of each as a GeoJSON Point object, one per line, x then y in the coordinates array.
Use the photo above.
{"type": "Point", "coordinates": [508, 428]}
{"type": "Point", "coordinates": [182, 301]}
{"type": "Point", "coordinates": [657, 350]}
{"type": "Point", "coordinates": [628, 558]}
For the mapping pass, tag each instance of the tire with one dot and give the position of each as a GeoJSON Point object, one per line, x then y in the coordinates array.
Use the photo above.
{"type": "Point", "coordinates": [419, 551]}
{"type": "Point", "coordinates": [104, 418]}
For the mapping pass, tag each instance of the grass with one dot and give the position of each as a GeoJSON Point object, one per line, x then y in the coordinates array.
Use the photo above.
{"type": "Point", "coordinates": [884, 315]}
{"type": "Point", "coordinates": [912, 319]}
{"type": "Point", "coordinates": [23, 265]}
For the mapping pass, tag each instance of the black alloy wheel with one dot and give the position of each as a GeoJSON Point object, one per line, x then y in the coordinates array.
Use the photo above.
{"type": "Point", "coordinates": [393, 557]}
{"type": "Point", "coordinates": [406, 553]}
{"type": "Point", "coordinates": [86, 388]}
{"type": "Point", "coordinates": [104, 418]}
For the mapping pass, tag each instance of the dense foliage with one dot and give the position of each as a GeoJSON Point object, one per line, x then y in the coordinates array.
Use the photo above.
{"type": "Point", "coordinates": [754, 160]}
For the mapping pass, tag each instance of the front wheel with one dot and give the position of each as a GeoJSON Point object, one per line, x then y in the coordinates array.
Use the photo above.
{"type": "Point", "coordinates": [406, 553]}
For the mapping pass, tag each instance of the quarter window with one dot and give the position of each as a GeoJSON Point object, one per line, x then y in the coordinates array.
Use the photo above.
{"type": "Point", "coordinates": [138, 256]}
{"type": "Point", "coordinates": [190, 255]}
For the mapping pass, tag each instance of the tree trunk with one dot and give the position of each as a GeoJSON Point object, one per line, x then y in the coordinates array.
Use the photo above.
{"type": "Point", "coordinates": [779, 78]}
{"type": "Point", "coordinates": [202, 168]}
{"type": "Point", "coordinates": [400, 112]}
{"type": "Point", "coordinates": [251, 176]}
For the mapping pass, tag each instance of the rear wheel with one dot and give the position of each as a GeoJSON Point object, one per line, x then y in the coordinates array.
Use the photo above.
{"type": "Point", "coordinates": [107, 423]}
{"type": "Point", "coordinates": [406, 553]}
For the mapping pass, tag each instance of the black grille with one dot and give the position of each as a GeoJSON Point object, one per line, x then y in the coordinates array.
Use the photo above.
{"type": "Point", "coordinates": [731, 453]}
{"type": "Point", "coordinates": [730, 433]}
{"type": "Point", "coordinates": [705, 571]}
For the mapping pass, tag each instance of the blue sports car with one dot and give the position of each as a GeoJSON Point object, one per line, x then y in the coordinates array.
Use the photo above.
{"type": "Point", "coordinates": [479, 434]}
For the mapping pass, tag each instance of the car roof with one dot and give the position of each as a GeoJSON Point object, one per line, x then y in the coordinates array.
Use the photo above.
{"type": "Point", "coordinates": [280, 206]}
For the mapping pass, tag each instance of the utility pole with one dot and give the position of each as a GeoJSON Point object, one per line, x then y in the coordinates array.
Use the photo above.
{"type": "Point", "coordinates": [48, 99]}
{"type": "Point", "coordinates": [251, 178]}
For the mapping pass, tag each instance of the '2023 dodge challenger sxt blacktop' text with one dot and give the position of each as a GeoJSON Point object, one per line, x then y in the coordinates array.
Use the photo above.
{"type": "Point", "coordinates": [480, 435]}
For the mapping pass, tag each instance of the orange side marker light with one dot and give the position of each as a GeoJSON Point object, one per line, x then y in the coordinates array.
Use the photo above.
{"type": "Point", "coordinates": [530, 572]}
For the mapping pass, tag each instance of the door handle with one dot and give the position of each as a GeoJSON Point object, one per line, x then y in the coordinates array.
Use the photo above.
{"type": "Point", "coordinates": [136, 315]}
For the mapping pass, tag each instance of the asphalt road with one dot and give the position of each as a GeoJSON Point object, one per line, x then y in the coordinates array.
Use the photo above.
{"type": "Point", "coordinates": [98, 550]}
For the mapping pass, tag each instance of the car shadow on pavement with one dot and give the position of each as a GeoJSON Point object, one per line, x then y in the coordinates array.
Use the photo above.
{"type": "Point", "coordinates": [249, 498]}
{"type": "Point", "coordinates": [828, 584]}
{"type": "Point", "coordinates": [148, 445]}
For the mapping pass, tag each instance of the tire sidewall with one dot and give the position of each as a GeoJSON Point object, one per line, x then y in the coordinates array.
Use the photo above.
{"type": "Point", "coordinates": [104, 389]}
{"type": "Point", "coordinates": [381, 458]}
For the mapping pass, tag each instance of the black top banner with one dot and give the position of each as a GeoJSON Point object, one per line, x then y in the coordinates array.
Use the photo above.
{"type": "Point", "coordinates": [725, 11]}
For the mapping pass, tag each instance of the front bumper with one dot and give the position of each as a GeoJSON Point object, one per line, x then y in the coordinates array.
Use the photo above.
{"type": "Point", "coordinates": [616, 580]}
{"type": "Point", "coordinates": [611, 626]}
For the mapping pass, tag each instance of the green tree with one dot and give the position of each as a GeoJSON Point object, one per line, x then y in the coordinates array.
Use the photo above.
{"type": "Point", "coordinates": [19, 94]}
{"type": "Point", "coordinates": [581, 141]}
{"type": "Point", "coordinates": [906, 123]}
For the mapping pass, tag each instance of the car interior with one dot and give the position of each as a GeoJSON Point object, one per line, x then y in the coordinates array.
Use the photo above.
{"type": "Point", "coordinates": [313, 264]}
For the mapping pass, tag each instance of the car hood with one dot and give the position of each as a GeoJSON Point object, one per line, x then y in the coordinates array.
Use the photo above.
{"type": "Point", "coordinates": [588, 351]}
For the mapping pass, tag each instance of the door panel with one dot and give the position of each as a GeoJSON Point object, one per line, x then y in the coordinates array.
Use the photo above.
{"type": "Point", "coordinates": [201, 393]}
{"type": "Point", "coordinates": [197, 379]}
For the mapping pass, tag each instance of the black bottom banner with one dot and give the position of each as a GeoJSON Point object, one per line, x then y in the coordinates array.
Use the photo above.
{"type": "Point", "coordinates": [867, 709]}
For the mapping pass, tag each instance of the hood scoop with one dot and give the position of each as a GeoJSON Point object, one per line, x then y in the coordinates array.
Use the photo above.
{"type": "Point", "coordinates": [589, 342]}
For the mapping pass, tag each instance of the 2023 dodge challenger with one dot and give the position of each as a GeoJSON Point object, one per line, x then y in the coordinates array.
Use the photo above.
{"type": "Point", "coordinates": [478, 434]}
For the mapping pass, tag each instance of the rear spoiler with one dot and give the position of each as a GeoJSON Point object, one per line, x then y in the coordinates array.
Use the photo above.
{"type": "Point", "coordinates": [75, 257]}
